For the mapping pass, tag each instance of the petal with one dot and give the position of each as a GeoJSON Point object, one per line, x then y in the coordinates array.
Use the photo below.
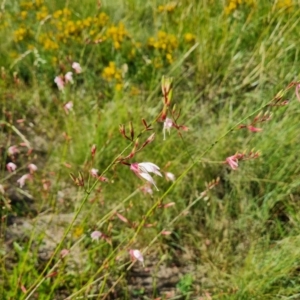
{"type": "Point", "coordinates": [147, 177]}
{"type": "Point", "coordinates": [149, 167]}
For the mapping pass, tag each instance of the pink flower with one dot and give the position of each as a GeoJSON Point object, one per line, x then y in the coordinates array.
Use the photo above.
{"type": "Point", "coordinates": [12, 150]}
{"type": "Point", "coordinates": [11, 167]}
{"type": "Point", "coordinates": [146, 189]}
{"type": "Point", "coordinates": [69, 77]}
{"type": "Point", "coordinates": [59, 82]}
{"type": "Point", "coordinates": [143, 169]}
{"type": "Point", "coordinates": [168, 124]}
{"type": "Point", "coordinates": [170, 176]}
{"type": "Point", "coordinates": [232, 162]}
{"type": "Point", "coordinates": [64, 252]}
{"type": "Point", "coordinates": [76, 66]}
{"type": "Point", "coordinates": [68, 107]}
{"type": "Point", "coordinates": [96, 235]}
{"type": "Point", "coordinates": [22, 180]}
{"type": "Point", "coordinates": [94, 172]}
{"type": "Point", "coordinates": [32, 168]}
{"type": "Point", "coordinates": [254, 129]}
{"type": "Point", "coordinates": [136, 255]}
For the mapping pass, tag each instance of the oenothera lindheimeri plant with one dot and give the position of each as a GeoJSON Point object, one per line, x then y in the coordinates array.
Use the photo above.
{"type": "Point", "coordinates": [169, 116]}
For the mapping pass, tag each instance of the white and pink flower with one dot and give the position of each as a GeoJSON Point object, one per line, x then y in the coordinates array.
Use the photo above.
{"type": "Point", "coordinates": [69, 77]}
{"type": "Point", "coordinates": [32, 168]}
{"type": "Point", "coordinates": [143, 169]}
{"type": "Point", "coordinates": [68, 107]}
{"type": "Point", "coordinates": [232, 161]}
{"type": "Point", "coordinates": [59, 82]}
{"type": "Point", "coordinates": [76, 66]}
{"type": "Point", "coordinates": [168, 124]}
{"type": "Point", "coordinates": [94, 172]}
{"type": "Point", "coordinates": [170, 176]}
{"type": "Point", "coordinates": [96, 235]}
{"type": "Point", "coordinates": [23, 179]}
{"type": "Point", "coordinates": [136, 255]}
{"type": "Point", "coordinates": [12, 150]}
{"type": "Point", "coordinates": [11, 167]}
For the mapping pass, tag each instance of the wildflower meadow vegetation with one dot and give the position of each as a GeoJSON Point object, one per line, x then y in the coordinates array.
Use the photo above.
{"type": "Point", "coordinates": [149, 149]}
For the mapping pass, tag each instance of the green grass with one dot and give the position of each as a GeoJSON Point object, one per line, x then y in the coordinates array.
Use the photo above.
{"type": "Point", "coordinates": [240, 241]}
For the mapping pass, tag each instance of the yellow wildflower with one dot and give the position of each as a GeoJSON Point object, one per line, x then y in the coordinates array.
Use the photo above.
{"type": "Point", "coordinates": [23, 14]}
{"type": "Point", "coordinates": [169, 7]}
{"type": "Point", "coordinates": [42, 14]}
{"type": "Point", "coordinates": [119, 86]}
{"type": "Point", "coordinates": [78, 231]}
{"type": "Point", "coordinates": [20, 34]}
{"type": "Point", "coordinates": [285, 4]}
{"type": "Point", "coordinates": [189, 38]}
{"type": "Point", "coordinates": [57, 14]}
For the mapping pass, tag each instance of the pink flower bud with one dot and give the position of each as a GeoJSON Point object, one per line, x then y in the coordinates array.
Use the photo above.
{"type": "Point", "coordinates": [32, 168]}
{"type": "Point", "coordinates": [96, 235]}
{"type": "Point", "coordinates": [76, 66]}
{"type": "Point", "coordinates": [136, 255]}
{"type": "Point", "coordinates": [254, 129]}
{"type": "Point", "coordinates": [68, 107]}
{"type": "Point", "coordinates": [22, 180]}
{"type": "Point", "coordinates": [94, 172]}
{"type": "Point", "coordinates": [64, 252]}
{"type": "Point", "coordinates": [59, 82]}
{"type": "Point", "coordinates": [12, 150]}
{"type": "Point", "coordinates": [69, 77]}
{"type": "Point", "coordinates": [170, 176]}
{"type": "Point", "coordinates": [232, 162]}
{"type": "Point", "coordinates": [11, 167]}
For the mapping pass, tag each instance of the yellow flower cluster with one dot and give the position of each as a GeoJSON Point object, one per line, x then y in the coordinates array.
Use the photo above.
{"type": "Point", "coordinates": [48, 43]}
{"type": "Point", "coordinates": [20, 34]}
{"type": "Point", "coordinates": [169, 7]}
{"type": "Point", "coordinates": [61, 27]}
{"type": "Point", "coordinates": [28, 5]}
{"type": "Point", "coordinates": [111, 73]}
{"type": "Point", "coordinates": [285, 4]}
{"type": "Point", "coordinates": [42, 14]}
{"type": "Point", "coordinates": [117, 34]}
{"type": "Point", "coordinates": [235, 4]}
{"type": "Point", "coordinates": [164, 42]}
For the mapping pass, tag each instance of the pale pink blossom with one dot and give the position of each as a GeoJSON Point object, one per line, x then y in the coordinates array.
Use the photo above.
{"type": "Point", "coordinates": [232, 162]}
{"type": "Point", "coordinates": [143, 169]}
{"type": "Point", "coordinates": [146, 189]}
{"type": "Point", "coordinates": [254, 129]}
{"type": "Point", "coordinates": [76, 66]}
{"type": "Point", "coordinates": [59, 82]}
{"type": "Point", "coordinates": [64, 252]}
{"type": "Point", "coordinates": [168, 124]}
{"type": "Point", "coordinates": [11, 167]}
{"type": "Point", "coordinates": [22, 180]}
{"type": "Point", "coordinates": [12, 150]}
{"type": "Point", "coordinates": [32, 168]}
{"type": "Point", "coordinates": [69, 77]}
{"type": "Point", "coordinates": [170, 176]}
{"type": "Point", "coordinates": [68, 107]}
{"type": "Point", "coordinates": [94, 172]}
{"type": "Point", "coordinates": [96, 235]}
{"type": "Point", "coordinates": [136, 255]}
